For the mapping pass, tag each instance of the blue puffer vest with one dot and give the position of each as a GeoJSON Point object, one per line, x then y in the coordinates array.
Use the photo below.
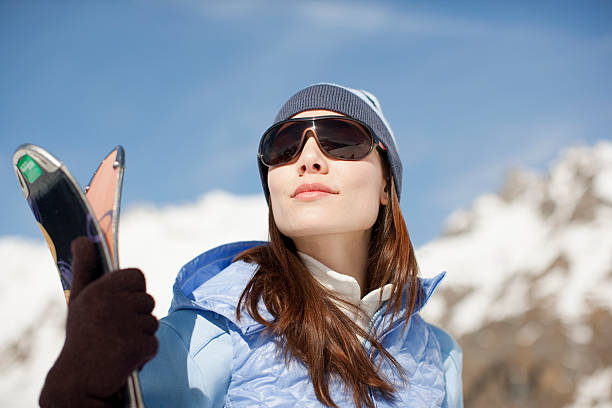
{"type": "Point", "coordinates": [259, 377]}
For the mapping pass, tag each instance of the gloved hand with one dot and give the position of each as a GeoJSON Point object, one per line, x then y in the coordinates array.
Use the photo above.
{"type": "Point", "coordinates": [110, 331]}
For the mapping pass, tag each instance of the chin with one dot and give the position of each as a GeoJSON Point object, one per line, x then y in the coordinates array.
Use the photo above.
{"type": "Point", "coordinates": [313, 229]}
{"type": "Point", "coordinates": [320, 220]}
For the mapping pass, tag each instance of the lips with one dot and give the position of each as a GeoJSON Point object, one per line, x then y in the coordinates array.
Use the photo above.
{"type": "Point", "coordinates": [312, 188]}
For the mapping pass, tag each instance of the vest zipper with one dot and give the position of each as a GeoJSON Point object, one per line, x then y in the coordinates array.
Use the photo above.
{"type": "Point", "coordinates": [376, 320]}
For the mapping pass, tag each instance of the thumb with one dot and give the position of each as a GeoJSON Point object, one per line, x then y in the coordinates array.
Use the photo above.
{"type": "Point", "coordinates": [86, 265]}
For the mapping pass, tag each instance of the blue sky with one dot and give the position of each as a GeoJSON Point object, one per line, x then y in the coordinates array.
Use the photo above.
{"type": "Point", "coordinates": [471, 89]}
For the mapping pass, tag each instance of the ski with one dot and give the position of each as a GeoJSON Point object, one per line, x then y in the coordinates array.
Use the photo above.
{"type": "Point", "coordinates": [63, 213]}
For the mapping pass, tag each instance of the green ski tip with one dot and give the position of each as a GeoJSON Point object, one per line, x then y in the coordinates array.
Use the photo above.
{"type": "Point", "coordinates": [28, 167]}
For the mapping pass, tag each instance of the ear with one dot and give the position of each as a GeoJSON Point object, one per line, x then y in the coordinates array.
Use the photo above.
{"type": "Point", "coordinates": [384, 194]}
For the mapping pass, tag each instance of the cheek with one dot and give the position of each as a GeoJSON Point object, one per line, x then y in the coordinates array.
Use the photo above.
{"type": "Point", "coordinates": [278, 193]}
{"type": "Point", "coordinates": [364, 182]}
{"type": "Point", "coordinates": [361, 199]}
{"type": "Point", "coordinates": [273, 183]}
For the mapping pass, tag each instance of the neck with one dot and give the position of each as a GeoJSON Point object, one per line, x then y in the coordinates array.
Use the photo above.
{"type": "Point", "coordinates": [345, 253]}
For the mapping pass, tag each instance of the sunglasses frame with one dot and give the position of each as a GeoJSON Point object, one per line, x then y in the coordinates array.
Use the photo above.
{"type": "Point", "coordinates": [375, 141]}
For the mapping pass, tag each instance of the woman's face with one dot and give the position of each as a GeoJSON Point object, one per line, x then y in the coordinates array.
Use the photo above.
{"type": "Point", "coordinates": [316, 195]}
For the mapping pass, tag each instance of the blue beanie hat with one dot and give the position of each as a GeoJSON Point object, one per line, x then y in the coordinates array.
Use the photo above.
{"type": "Point", "coordinates": [357, 104]}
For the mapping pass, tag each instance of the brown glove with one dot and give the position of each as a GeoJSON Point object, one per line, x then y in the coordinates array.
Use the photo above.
{"type": "Point", "coordinates": [110, 331]}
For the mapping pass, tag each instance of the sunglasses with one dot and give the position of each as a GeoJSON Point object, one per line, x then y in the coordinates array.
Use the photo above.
{"type": "Point", "coordinates": [338, 137]}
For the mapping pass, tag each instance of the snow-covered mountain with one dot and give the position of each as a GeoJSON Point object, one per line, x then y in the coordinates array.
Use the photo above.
{"type": "Point", "coordinates": [157, 240]}
{"type": "Point", "coordinates": [528, 293]}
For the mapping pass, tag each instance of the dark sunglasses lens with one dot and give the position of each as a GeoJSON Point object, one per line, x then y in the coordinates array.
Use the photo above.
{"type": "Point", "coordinates": [280, 144]}
{"type": "Point", "coordinates": [343, 139]}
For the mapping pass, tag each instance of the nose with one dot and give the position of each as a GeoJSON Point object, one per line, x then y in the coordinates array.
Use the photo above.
{"type": "Point", "coordinates": [311, 159]}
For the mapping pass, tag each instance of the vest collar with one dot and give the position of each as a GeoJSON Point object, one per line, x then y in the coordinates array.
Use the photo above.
{"type": "Point", "coordinates": [212, 281]}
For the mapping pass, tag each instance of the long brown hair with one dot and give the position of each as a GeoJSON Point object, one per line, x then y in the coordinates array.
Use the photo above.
{"type": "Point", "coordinates": [306, 314]}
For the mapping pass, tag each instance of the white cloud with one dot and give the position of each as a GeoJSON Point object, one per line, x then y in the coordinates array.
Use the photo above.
{"type": "Point", "coordinates": [223, 9]}
{"type": "Point", "coordinates": [372, 16]}
{"type": "Point", "coordinates": [342, 15]}
{"type": "Point", "coordinates": [360, 16]}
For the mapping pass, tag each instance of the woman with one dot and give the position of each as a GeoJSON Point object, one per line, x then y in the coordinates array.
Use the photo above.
{"type": "Point", "coordinates": [323, 315]}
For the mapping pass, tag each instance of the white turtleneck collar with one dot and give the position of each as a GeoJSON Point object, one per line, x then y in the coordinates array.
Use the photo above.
{"type": "Point", "coordinates": [347, 288]}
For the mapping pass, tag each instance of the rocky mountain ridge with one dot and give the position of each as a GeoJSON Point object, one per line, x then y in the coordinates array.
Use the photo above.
{"type": "Point", "coordinates": [529, 288]}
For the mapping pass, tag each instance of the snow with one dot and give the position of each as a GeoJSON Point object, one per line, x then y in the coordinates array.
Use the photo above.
{"type": "Point", "coordinates": [503, 250]}
{"type": "Point", "coordinates": [580, 333]}
{"type": "Point", "coordinates": [159, 240]}
{"type": "Point", "coordinates": [529, 334]}
{"type": "Point", "coordinates": [503, 238]}
{"type": "Point", "coordinates": [591, 262]}
{"type": "Point", "coordinates": [23, 377]}
{"type": "Point", "coordinates": [27, 261]}
{"type": "Point", "coordinates": [602, 186]}
{"type": "Point", "coordinates": [595, 391]}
